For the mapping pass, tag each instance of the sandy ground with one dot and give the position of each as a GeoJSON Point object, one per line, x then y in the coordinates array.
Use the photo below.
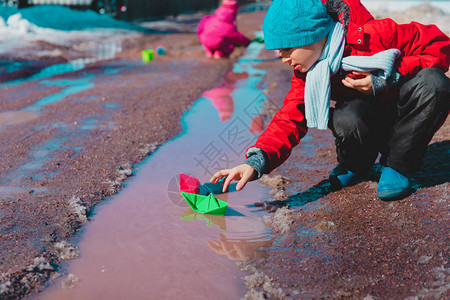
{"type": "Point", "coordinates": [344, 244]}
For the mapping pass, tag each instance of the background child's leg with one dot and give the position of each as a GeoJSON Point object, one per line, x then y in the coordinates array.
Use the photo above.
{"type": "Point", "coordinates": [360, 127]}
{"type": "Point", "coordinates": [219, 54]}
{"type": "Point", "coordinates": [225, 50]}
{"type": "Point", "coordinates": [208, 52]}
{"type": "Point", "coordinates": [422, 108]}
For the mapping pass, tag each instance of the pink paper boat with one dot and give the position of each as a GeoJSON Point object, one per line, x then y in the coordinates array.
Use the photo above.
{"type": "Point", "coordinates": [189, 184]}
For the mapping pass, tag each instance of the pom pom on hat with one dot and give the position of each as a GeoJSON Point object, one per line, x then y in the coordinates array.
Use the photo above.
{"type": "Point", "coordinates": [230, 4]}
{"type": "Point", "coordinates": [295, 23]}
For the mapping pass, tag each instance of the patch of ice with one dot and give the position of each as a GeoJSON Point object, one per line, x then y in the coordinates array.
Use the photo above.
{"type": "Point", "coordinates": [70, 282]}
{"type": "Point", "coordinates": [424, 259]}
{"type": "Point", "coordinates": [419, 12]}
{"type": "Point", "coordinates": [5, 283]}
{"type": "Point", "coordinates": [273, 181]}
{"type": "Point", "coordinates": [261, 286]}
{"type": "Point", "coordinates": [437, 288]}
{"type": "Point", "coordinates": [40, 264]}
{"type": "Point", "coordinates": [147, 149]}
{"type": "Point", "coordinates": [66, 251]}
{"type": "Point", "coordinates": [125, 171]}
{"type": "Point", "coordinates": [325, 226]}
{"type": "Point", "coordinates": [281, 220]}
{"type": "Point", "coordinates": [19, 25]}
{"type": "Point", "coordinates": [78, 209]}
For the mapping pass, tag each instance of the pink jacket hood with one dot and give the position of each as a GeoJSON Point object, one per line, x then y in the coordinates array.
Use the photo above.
{"type": "Point", "coordinates": [227, 14]}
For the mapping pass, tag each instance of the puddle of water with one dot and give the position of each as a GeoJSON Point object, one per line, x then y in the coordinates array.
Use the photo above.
{"type": "Point", "coordinates": [101, 52]}
{"type": "Point", "coordinates": [53, 70]}
{"type": "Point", "coordinates": [34, 110]}
{"type": "Point", "coordinates": [37, 158]}
{"type": "Point", "coordinates": [147, 241]}
{"type": "Point", "coordinates": [76, 87]}
{"type": "Point", "coordinates": [16, 117]}
{"type": "Point", "coordinates": [10, 66]}
{"type": "Point", "coordinates": [111, 105]}
{"type": "Point", "coordinates": [11, 190]}
{"type": "Point", "coordinates": [16, 190]}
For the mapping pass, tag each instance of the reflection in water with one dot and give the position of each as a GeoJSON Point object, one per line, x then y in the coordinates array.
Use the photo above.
{"type": "Point", "coordinates": [240, 249]}
{"type": "Point", "coordinates": [221, 97]}
{"type": "Point", "coordinates": [257, 124]}
{"type": "Point", "coordinates": [219, 221]}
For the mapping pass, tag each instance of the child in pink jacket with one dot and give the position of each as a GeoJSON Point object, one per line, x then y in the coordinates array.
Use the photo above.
{"type": "Point", "coordinates": [218, 34]}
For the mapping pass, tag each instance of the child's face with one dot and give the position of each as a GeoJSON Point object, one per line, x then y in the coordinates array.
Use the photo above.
{"type": "Point", "coordinates": [303, 58]}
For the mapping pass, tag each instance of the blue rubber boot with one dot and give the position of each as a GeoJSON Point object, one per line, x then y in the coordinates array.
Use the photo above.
{"type": "Point", "coordinates": [341, 177]}
{"type": "Point", "coordinates": [392, 185]}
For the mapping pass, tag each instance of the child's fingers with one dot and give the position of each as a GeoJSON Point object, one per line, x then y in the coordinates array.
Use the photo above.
{"type": "Point", "coordinates": [245, 178]}
{"type": "Point", "coordinates": [241, 184]}
{"type": "Point", "coordinates": [364, 82]}
{"type": "Point", "coordinates": [227, 181]}
{"type": "Point", "coordinates": [363, 85]}
{"type": "Point", "coordinates": [215, 245]}
{"type": "Point", "coordinates": [347, 83]}
{"type": "Point", "coordinates": [218, 175]}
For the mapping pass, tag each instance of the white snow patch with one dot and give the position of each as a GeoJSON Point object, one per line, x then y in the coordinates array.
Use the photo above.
{"type": "Point", "coordinates": [5, 283]}
{"type": "Point", "coordinates": [41, 264]}
{"type": "Point", "coordinates": [20, 28]}
{"type": "Point", "coordinates": [69, 282]}
{"type": "Point", "coordinates": [281, 221]}
{"type": "Point", "coordinates": [66, 251]}
{"type": "Point", "coordinates": [78, 209]}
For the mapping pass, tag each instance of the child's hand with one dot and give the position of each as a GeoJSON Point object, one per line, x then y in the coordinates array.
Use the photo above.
{"type": "Point", "coordinates": [359, 81]}
{"type": "Point", "coordinates": [244, 173]}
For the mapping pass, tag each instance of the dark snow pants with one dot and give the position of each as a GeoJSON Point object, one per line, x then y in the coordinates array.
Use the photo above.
{"type": "Point", "coordinates": [401, 131]}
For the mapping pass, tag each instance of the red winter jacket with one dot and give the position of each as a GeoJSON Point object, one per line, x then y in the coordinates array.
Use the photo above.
{"type": "Point", "coordinates": [422, 46]}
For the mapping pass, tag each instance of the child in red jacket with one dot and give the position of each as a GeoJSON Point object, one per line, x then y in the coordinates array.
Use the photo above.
{"type": "Point", "coordinates": [387, 80]}
{"type": "Point", "coordinates": [218, 34]}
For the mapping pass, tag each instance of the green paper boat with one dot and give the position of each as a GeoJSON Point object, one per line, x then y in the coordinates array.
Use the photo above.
{"type": "Point", "coordinates": [205, 204]}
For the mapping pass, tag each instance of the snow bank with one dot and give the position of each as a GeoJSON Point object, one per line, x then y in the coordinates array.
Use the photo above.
{"type": "Point", "coordinates": [16, 24]}
{"type": "Point", "coordinates": [389, 6]}
{"type": "Point", "coordinates": [425, 14]}
{"type": "Point", "coordinates": [58, 25]}
{"type": "Point", "coordinates": [64, 18]}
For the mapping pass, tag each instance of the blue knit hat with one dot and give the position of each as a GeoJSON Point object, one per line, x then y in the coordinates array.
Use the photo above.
{"type": "Point", "coordinates": [295, 23]}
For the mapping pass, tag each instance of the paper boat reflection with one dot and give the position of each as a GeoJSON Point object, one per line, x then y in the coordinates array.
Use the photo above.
{"type": "Point", "coordinates": [219, 221]}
